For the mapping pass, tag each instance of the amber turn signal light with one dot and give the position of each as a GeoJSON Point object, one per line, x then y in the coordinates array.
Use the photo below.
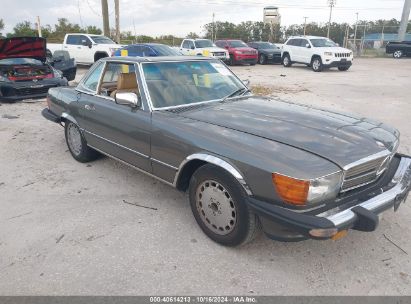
{"type": "Point", "coordinates": [291, 190]}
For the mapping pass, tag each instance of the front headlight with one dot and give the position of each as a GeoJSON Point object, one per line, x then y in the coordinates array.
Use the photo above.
{"type": "Point", "coordinates": [307, 192]}
{"type": "Point", "coordinates": [328, 53]}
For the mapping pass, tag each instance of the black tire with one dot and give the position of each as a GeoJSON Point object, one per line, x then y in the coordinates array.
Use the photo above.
{"type": "Point", "coordinates": [77, 144]}
{"type": "Point", "coordinates": [241, 226]}
{"type": "Point", "coordinates": [262, 59]}
{"type": "Point", "coordinates": [317, 64]}
{"type": "Point", "coordinates": [287, 61]}
{"type": "Point", "coordinates": [397, 54]}
{"type": "Point", "coordinates": [343, 69]}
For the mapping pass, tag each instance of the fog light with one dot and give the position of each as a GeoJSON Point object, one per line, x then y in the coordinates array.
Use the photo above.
{"type": "Point", "coordinates": [323, 233]}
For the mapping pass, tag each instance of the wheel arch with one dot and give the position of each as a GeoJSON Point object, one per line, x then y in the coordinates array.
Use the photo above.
{"type": "Point", "coordinates": [194, 161]}
{"type": "Point", "coordinates": [315, 56]}
{"type": "Point", "coordinates": [67, 117]}
{"type": "Point", "coordinates": [100, 54]}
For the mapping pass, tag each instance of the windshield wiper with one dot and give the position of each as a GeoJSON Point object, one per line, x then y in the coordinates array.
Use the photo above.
{"type": "Point", "coordinates": [241, 91]}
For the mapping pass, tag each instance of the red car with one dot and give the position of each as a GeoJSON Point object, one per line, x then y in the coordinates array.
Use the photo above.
{"type": "Point", "coordinates": [239, 51]}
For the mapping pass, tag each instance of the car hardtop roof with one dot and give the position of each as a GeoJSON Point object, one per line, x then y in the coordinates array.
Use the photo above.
{"type": "Point", "coordinates": [307, 37]}
{"type": "Point", "coordinates": [157, 59]}
{"type": "Point", "coordinates": [230, 40]}
{"type": "Point", "coordinates": [197, 39]}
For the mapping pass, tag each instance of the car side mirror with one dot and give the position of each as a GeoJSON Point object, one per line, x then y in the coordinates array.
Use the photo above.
{"type": "Point", "coordinates": [246, 82]}
{"type": "Point", "coordinates": [193, 47]}
{"type": "Point", "coordinates": [128, 99]}
{"type": "Point", "coordinates": [308, 46]}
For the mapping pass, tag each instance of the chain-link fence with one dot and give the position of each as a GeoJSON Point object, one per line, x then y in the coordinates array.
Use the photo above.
{"type": "Point", "coordinates": [367, 40]}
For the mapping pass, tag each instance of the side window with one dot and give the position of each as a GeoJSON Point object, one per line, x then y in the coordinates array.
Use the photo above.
{"type": "Point", "coordinates": [72, 39]}
{"type": "Point", "coordinates": [135, 50]}
{"type": "Point", "coordinates": [147, 51]}
{"type": "Point", "coordinates": [185, 44]}
{"type": "Point", "coordinates": [118, 77]}
{"type": "Point", "coordinates": [84, 40]}
{"type": "Point", "coordinates": [190, 44]}
{"type": "Point", "coordinates": [303, 42]}
{"type": "Point", "coordinates": [92, 80]}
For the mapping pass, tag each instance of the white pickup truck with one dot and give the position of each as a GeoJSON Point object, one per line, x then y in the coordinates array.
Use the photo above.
{"type": "Point", "coordinates": [86, 48]}
{"type": "Point", "coordinates": [203, 47]}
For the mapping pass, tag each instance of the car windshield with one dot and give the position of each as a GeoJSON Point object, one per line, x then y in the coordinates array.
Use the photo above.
{"type": "Point", "coordinates": [322, 42]}
{"type": "Point", "coordinates": [266, 45]}
{"type": "Point", "coordinates": [203, 43]}
{"type": "Point", "coordinates": [17, 61]}
{"type": "Point", "coordinates": [102, 40]}
{"type": "Point", "coordinates": [237, 43]}
{"type": "Point", "coordinates": [173, 84]}
{"type": "Point", "coordinates": [164, 50]}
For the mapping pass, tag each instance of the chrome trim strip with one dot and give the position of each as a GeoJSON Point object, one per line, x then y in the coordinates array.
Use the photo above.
{"type": "Point", "coordinates": [69, 117]}
{"type": "Point", "coordinates": [381, 201]}
{"type": "Point", "coordinates": [367, 159]}
{"type": "Point", "coordinates": [215, 161]}
{"type": "Point", "coordinates": [132, 166]}
{"type": "Point", "coordinates": [164, 164]}
{"type": "Point", "coordinates": [114, 143]}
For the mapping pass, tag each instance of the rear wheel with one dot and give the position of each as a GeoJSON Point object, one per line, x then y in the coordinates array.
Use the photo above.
{"type": "Point", "coordinates": [287, 61]}
{"type": "Point", "coordinates": [317, 64]}
{"type": "Point", "coordinates": [77, 144]}
{"type": "Point", "coordinates": [397, 54]}
{"type": "Point", "coordinates": [218, 203]}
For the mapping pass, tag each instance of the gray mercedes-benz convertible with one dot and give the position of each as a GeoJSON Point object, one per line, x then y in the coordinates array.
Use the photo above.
{"type": "Point", "coordinates": [247, 162]}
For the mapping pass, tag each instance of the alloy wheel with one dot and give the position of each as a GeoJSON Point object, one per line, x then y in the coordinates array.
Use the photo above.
{"type": "Point", "coordinates": [216, 207]}
{"type": "Point", "coordinates": [74, 139]}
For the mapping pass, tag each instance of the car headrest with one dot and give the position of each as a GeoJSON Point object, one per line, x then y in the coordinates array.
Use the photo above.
{"type": "Point", "coordinates": [126, 81]}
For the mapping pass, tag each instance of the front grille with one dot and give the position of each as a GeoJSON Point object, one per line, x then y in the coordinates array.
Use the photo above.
{"type": "Point", "coordinates": [342, 55]}
{"type": "Point", "coordinates": [31, 91]}
{"type": "Point", "coordinates": [365, 173]}
{"type": "Point", "coordinates": [218, 54]}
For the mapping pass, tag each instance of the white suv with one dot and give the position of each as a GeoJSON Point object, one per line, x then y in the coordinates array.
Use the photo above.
{"type": "Point", "coordinates": [317, 52]}
{"type": "Point", "coordinates": [203, 47]}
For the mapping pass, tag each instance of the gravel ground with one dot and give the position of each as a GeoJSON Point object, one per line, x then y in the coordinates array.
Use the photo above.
{"type": "Point", "coordinates": [65, 230]}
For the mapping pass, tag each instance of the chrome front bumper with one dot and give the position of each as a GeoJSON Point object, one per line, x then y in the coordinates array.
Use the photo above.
{"type": "Point", "coordinates": [388, 199]}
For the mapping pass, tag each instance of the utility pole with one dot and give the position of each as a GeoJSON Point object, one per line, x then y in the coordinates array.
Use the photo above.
{"type": "Point", "coordinates": [305, 23]}
{"type": "Point", "coordinates": [404, 20]}
{"type": "Point", "coordinates": [356, 27]}
{"type": "Point", "coordinates": [38, 26]}
{"type": "Point", "coordinates": [106, 24]}
{"type": "Point", "coordinates": [212, 29]}
{"type": "Point", "coordinates": [117, 16]}
{"type": "Point", "coordinates": [331, 3]}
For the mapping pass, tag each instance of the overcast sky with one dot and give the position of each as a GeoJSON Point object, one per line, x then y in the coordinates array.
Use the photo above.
{"type": "Point", "coordinates": [179, 17]}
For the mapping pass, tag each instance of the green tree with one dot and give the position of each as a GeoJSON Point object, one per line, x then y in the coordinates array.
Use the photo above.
{"type": "Point", "coordinates": [192, 35]}
{"type": "Point", "coordinates": [24, 28]}
{"type": "Point", "coordinates": [92, 29]}
{"type": "Point", "coordinates": [1, 26]}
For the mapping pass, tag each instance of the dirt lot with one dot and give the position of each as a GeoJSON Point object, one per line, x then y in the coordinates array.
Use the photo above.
{"type": "Point", "coordinates": [64, 228]}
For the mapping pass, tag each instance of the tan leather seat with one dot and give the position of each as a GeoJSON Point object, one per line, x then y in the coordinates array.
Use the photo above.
{"type": "Point", "coordinates": [126, 82]}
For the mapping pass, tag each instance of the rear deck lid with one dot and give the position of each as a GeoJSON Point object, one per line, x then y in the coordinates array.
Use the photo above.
{"type": "Point", "coordinates": [23, 47]}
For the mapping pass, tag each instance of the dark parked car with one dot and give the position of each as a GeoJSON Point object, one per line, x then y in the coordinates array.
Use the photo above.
{"type": "Point", "coordinates": [398, 49]}
{"type": "Point", "coordinates": [267, 52]}
{"type": "Point", "coordinates": [147, 50]}
{"type": "Point", "coordinates": [190, 122]}
{"type": "Point", "coordinates": [62, 61]}
{"type": "Point", "coordinates": [24, 72]}
{"type": "Point", "coordinates": [239, 52]}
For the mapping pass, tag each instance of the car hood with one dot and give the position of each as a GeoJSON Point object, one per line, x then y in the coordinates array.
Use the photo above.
{"type": "Point", "coordinates": [243, 49]}
{"type": "Point", "coordinates": [23, 47]}
{"type": "Point", "coordinates": [335, 49]}
{"type": "Point", "coordinates": [340, 138]}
